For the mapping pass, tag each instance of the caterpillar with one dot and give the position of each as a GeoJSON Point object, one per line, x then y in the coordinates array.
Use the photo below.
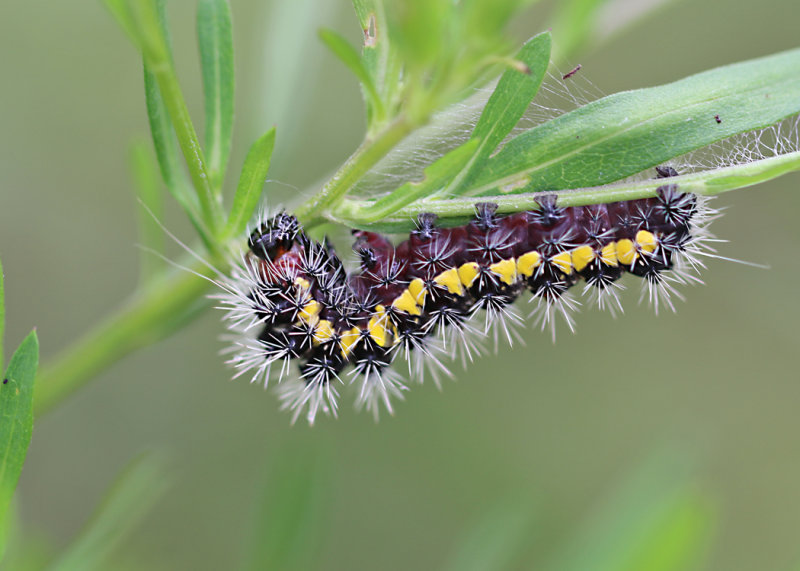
{"type": "Point", "coordinates": [292, 300]}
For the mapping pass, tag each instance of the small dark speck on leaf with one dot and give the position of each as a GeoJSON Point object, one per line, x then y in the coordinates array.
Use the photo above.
{"type": "Point", "coordinates": [5, 381]}
{"type": "Point", "coordinates": [717, 119]}
{"type": "Point", "coordinates": [572, 72]}
{"type": "Point", "coordinates": [577, 136]}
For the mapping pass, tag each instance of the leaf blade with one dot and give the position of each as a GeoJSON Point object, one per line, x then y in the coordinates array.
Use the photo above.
{"type": "Point", "coordinates": [248, 191]}
{"type": "Point", "coordinates": [16, 421]}
{"type": "Point", "coordinates": [435, 178]}
{"type": "Point", "coordinates": [629, 132]}
{"type": "Point", "coordinates": [348, 55]}
{"type": "Point", "coordinates": [216, 57]}
{"type": "Point", "coordinates": [511, 97]}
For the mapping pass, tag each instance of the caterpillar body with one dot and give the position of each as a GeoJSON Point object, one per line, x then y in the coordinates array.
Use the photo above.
{"type": "Point", "coordinates": [291, 298]}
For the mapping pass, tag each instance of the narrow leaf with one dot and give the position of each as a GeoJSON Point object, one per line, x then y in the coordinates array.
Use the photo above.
{"type": "Point", "coordinates": [157, 56]}
{"type": "Point", "coordinates": [16, 422]}
{"type": "Point", "coordinates": [509, 100]}
{"type": "Point", "coordinates": [627, 133]}
{"type": "Point", "coordinates": [251, 180]}
{"type": "Point", "coordinates": [216, 56]}
{"type": "Point", "coordinates": [351, 58]}
{"type": "Point", "coordinates": [148, 190]}
{"type": "Point", "coordinates": [125, 505]}
{"type": "Point", "coordinates": [169, 164]}
{"type": "Point", "coordinates": [437, 175]}
{"type": "Point", "coordinates": [165, 146]}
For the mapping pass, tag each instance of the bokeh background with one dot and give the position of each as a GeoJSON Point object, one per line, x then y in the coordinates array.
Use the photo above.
{"type": "Point", "coordinates": [559, 428]}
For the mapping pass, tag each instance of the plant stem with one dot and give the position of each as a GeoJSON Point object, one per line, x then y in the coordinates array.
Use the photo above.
{"type": "Point", "coordinates": [366, 156]}
{"type": "Point", "coordinates": [147, 317]}
{"type": "Point", "coordinates": [706, 183]}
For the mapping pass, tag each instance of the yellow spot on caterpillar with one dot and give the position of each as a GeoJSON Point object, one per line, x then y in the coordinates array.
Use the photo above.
{"type": "Point", "coordinates": [581, 256]}
{"type": "Point", "coordinates": [646, 241]}
{"type": "Point", "coordinates": [626, 252]}
{"type": "Point", "coordinates": [563, 261]}
{"type": "Point", "coordinates": [302, 283]}
{"type": "Point", "coordinates": [323, 331]}
{"type": "Point", "coordinates": [468, 273]}
{"type": "Point", "coordinates": [506, 270]}
{"type": "Point", "coordinates": [418, 291]}
{"type": "Point", "coordinates": [608, 255]}
{"type": "Point", "coordinates": [451, 280]}
{"type": "Point", "coordinates": [377, 325]}
{"type": "Point", "coordinates": [406, 302]}
{"type": "Point", "coordinates": [527, 263]}
{"type": "Point", "coordinates": [310, 312]}
{"type": "Point", "coordinates": [348, 340]}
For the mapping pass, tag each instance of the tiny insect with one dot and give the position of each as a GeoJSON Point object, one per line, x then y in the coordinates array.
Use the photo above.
{"type": "Point", "coordinates": [572, 72]}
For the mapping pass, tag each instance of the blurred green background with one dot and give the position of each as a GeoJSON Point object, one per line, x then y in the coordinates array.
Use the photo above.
{"type": "Point", "coordinates": [558, 428]}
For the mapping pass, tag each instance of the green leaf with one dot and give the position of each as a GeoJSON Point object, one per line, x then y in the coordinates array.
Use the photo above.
{"type": "Point", "coordinates": [251, 180]}
{"type": "Point", "coordinates": [216, 56]}
{"type": "Point", "coordinates": [16, 422]}
{"type": "Point", "coordinates": [436, 177]}
{"type": "Point", "coordinates": [291, 517]}
{"type": "Point", "coordinates": [509, 100]}
{"type": "Point", "coordinates": [170, 105]}
{"type": "Point", "coordinates": [497, 540]}
{"type": "Point", "coordinates": [350, 57]}
{"type": "Point", "coordinates": [125, 504]}
{"type": "Point", "coordinates": [148, 190]}
{"type": "Point", "coordinates": [627, 133]}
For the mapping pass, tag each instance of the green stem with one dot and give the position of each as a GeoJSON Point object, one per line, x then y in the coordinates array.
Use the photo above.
{"type": "Point", "coordinates": [705, 183]}
{"type": "Point", "coordinates": [156, 55]}
{"type": "Point", "coordinates": [366, 156]}
{"type": "Point", "coordinates": [147, 317]}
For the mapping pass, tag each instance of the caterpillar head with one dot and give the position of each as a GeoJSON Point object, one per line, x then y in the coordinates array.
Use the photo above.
{"type": "Point", "coordinates": [274, 237]}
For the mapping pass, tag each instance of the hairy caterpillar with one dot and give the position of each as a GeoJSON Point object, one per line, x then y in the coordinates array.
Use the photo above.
{"type": "Point", "coordinates": [292, 299]}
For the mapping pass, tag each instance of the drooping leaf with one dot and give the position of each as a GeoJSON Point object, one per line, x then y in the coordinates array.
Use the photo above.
{"type": "Point", "coordinates": [16, 422]}
{"type": "Point", "coordinates": [216, 58]}
{"type": "Point", "coordinates": [251, 180]}
{"type": "Point", "coordinates": [629, 132]}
